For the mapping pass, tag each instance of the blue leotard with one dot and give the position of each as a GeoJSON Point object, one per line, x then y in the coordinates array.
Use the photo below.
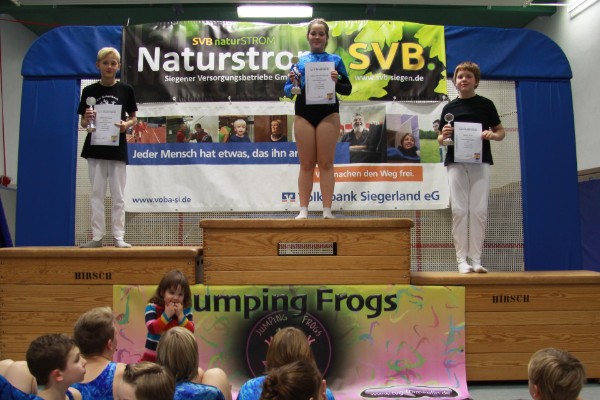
{"type": "Point", "coordinates": [252, 389]}
{"type": "Point", "coordinates": [100, 388]}
{"type": "Point", "coordinates": [316, 113]}
{"type": "Point", "coordinates": [197, 391]}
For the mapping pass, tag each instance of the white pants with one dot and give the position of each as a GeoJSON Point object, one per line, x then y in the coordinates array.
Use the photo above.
{"type": "Point", "coordinates": [114, 172]}
{"type": "Point", "coordinates": [469, 192]}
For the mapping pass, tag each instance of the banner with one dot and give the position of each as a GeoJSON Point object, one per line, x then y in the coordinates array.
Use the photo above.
{"type": "Point", "coordinates": [384, 342]}
{"type": "Point", "coordinates": [208, 61]}
{"type": "Point", "coordinates": [183, 158]}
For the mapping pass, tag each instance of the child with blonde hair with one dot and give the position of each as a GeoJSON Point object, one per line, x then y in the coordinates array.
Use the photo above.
{"type": "Point", "coordinates": [107, 162]}
{"type": "Point", "coordinates": [239, 134]}
{"type": "Point", "coordinates": [178, 352]}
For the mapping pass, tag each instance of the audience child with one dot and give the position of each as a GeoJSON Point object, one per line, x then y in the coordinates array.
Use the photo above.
{"type": "Point", "coordinates": [555, 375]}
{"type": "Point", "coordinates": [170, 306]}
{"type": "Point", "coordinates": [287, 346]}
{"type": "Point", "coordinates": [146, 381]}
{"type": "Point", "coordinates": [95, 335]}
{"type": "Point", "coordinates": [178, 352]}
{"type": "Point", "coordinates": [55, 362]}
{"type": "Point", "coordinates": [18, 375]}
{"type": "Point", "coordinates": [300, 380]}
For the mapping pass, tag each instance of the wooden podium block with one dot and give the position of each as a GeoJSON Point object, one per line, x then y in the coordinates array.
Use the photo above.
{"type": "Point", "coordinates": [511, 315]}
{"type": "Point", "coordinates": [306, 252]}
{"type": "Point", "coordinates": [45, 289]}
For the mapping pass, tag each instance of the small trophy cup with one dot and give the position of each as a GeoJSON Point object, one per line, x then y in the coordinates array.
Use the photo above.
{"type": "Point", "coordinates": [296, 88]}
{"type": "Point", "coordinates": [448, 118]}
{"type": "Point", "coordinates": [91, 102]}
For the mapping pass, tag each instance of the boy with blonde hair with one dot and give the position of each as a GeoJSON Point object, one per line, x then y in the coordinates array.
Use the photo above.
{"type": "Point", "coordinates": [107, 163]}
{"type": "Point", "coordinates": [239, 134]}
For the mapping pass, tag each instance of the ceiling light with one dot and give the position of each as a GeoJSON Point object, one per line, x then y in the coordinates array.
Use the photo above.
{"type": "Point", "coordinates": [271, 11]}
{"type": "Point", "coordinates": [578, 6]}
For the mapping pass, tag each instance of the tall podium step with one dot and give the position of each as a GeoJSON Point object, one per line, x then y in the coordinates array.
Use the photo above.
{"type": "Point", "coordinates": [306, 252]}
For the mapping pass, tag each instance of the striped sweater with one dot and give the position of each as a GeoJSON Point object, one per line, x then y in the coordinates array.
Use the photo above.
{"type": "Point", "coordinates": [157, 323]}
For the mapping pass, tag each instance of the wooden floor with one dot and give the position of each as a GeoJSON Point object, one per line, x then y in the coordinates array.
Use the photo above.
{"type": "Point", "coordinates": [509, 315]}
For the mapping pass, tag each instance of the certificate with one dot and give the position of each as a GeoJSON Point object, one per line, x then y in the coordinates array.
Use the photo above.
{"type": "Point", "coordinates": [107, 133]}
{"type": "Point", "coordinates": [467, 142]}
{"type": "Point", "coordinates": [320, 88]}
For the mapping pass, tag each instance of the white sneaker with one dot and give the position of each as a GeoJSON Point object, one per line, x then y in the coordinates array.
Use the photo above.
{"type": "Point", "coordinates": [479, 268]}
{"type": "Point", "coordinates": [92, 244]}
{"type": "Point", "coordinates": [464, 268]}
{"type": "Point", "coordinates": [122, 244]}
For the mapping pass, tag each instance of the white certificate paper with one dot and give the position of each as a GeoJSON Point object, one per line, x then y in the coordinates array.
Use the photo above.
{"type": "Point", "coordinates": [320, 88]}
{"type": "Point", "coordinates": [106, 134]}
{"type": "Point", "coordinates": [467, 142]}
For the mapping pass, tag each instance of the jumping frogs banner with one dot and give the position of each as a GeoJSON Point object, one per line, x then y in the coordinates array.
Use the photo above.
{"type": "Point", "coordinates": [203, 61]}
{"type": "Point", "coordinates": [373, 342]}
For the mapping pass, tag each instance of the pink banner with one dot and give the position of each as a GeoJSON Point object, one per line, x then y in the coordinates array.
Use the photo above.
{"type": "Point", "coordinates": [375, 342]}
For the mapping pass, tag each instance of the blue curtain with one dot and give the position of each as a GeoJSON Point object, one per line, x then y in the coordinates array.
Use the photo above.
{"type": "Point", "coordinates": [47, 162]}
{"type": "Point", "coordinates": [551, 226]}
{"type": "Point", "coordinates": [589, 193]}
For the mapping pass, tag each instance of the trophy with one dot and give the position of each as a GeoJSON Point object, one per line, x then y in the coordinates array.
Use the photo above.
{"type": "Point", "coordinates": [448, 118]}
{"type": "Point", "coordinates": [91, 102]}
{"type": "Point", "coordinates": [296, 88]}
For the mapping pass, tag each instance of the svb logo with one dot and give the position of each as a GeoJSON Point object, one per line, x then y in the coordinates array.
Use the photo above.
{"type": "Point", "coordinates": [288, 197]}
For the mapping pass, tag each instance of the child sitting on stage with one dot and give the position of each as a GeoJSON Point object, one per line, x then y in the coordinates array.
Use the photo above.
{"type": "Point", "coordinates": [95, 334]}
{"type": "Point", "coordinates": [55, 362]}
{"type": "Point", "coordinates": [169, 307]}
{"type": "Point", "coordinates": [178, 352]}
{"type": "Point", "coordinates": [146, 381]}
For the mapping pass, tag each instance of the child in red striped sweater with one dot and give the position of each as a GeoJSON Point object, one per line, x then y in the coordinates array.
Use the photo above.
{"type": "Point", "coordinates": [170, 306]}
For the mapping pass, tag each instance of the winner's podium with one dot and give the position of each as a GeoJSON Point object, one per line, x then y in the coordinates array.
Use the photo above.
{"type": "Point", "coordinates": [306, 252]}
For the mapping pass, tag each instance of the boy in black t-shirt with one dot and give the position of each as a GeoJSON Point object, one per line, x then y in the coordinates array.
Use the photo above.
{"type": "Point", "coordinates": [107, 161]}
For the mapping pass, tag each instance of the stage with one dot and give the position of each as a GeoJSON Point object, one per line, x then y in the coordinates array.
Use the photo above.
{"type": "Point", "coordinates": [508, 315]}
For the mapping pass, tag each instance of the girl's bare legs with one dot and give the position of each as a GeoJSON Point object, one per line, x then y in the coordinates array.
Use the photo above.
{"type": "Point", "coordinates": [305, 135]}
{"type": "Point", "coordinates": [326, 138]}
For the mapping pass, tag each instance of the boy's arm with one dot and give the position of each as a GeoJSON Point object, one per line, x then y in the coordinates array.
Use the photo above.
{"type": "Point", "coordinates": [495, 133]}
{"type": "Point", "coordinates": [123, 125]}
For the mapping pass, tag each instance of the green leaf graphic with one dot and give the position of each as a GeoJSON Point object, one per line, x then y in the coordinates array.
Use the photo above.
{"type": "Point", "coordinates": [368, 89]}
{"type": "Point", "coordinates": [432, 36]}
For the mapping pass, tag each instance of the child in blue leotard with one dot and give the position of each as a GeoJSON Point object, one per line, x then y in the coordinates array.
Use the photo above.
{"type": "Point", "coordinates": [316, 126]}
{"type": "Point", "coordinates": [289, 344]}
{"type": "Point", "coordinates": [95, 334]}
